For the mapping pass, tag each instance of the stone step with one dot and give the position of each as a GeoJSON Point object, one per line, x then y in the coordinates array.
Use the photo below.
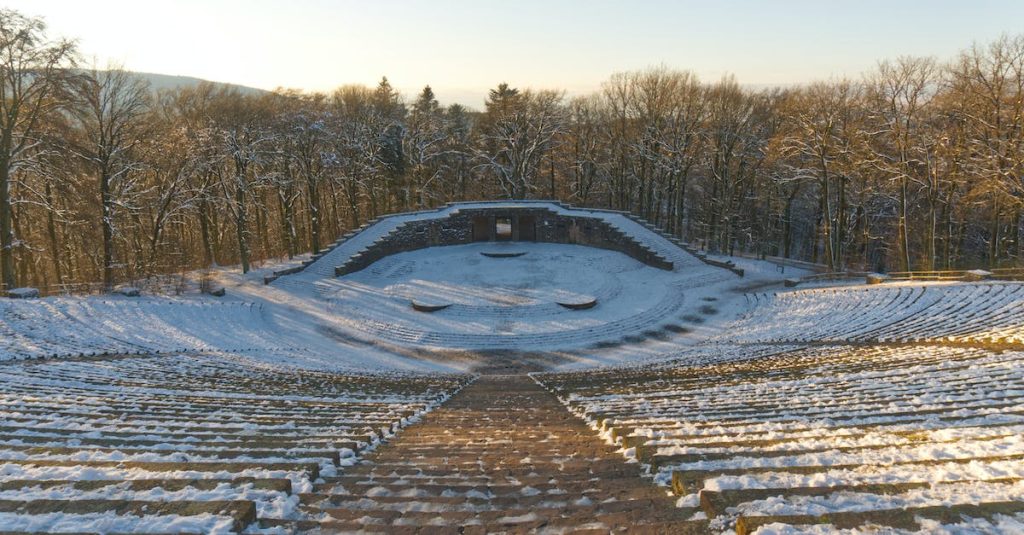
{"type": "Point", "coordinates": [333, 455]}
{"type": "Point", "coordinates": [170, 485]}
{"type": "Point", "coordinates": [312, 469]}
{"type": "Point", "coordinates": [203, 433]}
{"type": "Point", "coordinates": [187, 428]}
{"type": "Point", "coordinates": [501, 455]}
{"type": "Point", "coordinates": [555, 463]}
{"type": "Point", "coordinates": [415, 499]}
{"type": "Point", "coordinates": [715, 503]}
{"type": "Point", "coordinates": [298, 415]}
{"type": "Point", "coordinates": [632, 489]}
{"type": "Point", "coordinates": [414, 511]}
{"type": "Point", "coordinates": [236, 443]}
{"type": "Point", "coordinates": [521, 471]}
{"type": "Point", "coordinates": [692, 481]}
{"type": "Point", "coordinates": [906, 519]}
{"type": "Point", "coordinates": [455, 480]}
{"type": "Point", "coordinates": [575, 526]}
{"type": "Point", "coordinates": [242, 512]}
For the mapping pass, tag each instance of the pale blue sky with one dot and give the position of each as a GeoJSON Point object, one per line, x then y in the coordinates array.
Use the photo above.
{"type": "Point", "coordinates": [462, 48]}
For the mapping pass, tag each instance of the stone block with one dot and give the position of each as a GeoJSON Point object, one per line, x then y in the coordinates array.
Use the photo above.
{"type": "Point", "coordinates": [424, 306]}
{"type": "Point", "coordinates": [23, 293]}
{"type": "Point", "coordinates": [790, 283]}
{"type": "Point", "coordinates": [127, 291]}
{"type": "Point", "coordinates": [975, 275]}
{"type": "Point", "coordinates": [876, 278]}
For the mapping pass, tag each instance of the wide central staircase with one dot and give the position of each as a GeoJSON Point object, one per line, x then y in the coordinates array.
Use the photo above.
{"type": "Point", "coordinates": [503, 455]}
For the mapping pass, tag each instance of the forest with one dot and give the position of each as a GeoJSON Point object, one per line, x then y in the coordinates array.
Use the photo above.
{"type": "Point", "coordinates": [916, 165]}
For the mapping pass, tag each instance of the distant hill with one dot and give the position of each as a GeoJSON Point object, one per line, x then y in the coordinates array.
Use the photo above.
{"type": "Point", "coordinates": [159, 82]}
{"type": "Point", "coordinates": [166, 81]}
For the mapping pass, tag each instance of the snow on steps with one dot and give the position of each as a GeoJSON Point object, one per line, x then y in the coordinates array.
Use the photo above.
{"type": "Point", "coordinates": [197, 443]}
{"type": "Point", "coordinates": [62, 327]}
{"type": "Point", "coordinates": [501, 456]}
{"type": "Point", "coordinates": [969, 313]}
{"type": "Point", "coordinates": [906, 438]}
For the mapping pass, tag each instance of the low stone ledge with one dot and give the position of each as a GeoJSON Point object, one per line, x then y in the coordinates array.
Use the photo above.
{"type": "Point", "coordinates": [976, 275]}
{"type": "Point", "coordinates": [876, 278]}
{"type": "Point", "coordinates": [127, 291]}
{"type": "Point", "coordinates": [496, 254]}
{"type": "Point", "coordinates": [23, 293]}
{"type": "Point", "coordinates": [578, 304]}
{"type": "Point", "coordinates": [424, 306]}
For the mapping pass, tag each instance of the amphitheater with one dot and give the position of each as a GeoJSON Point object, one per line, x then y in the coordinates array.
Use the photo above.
{"type": "Point", "coordinates": [519, 367]}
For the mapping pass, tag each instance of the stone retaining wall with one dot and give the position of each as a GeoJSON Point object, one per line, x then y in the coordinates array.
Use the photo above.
{"type": "Point", "coordinates": [545, 226]}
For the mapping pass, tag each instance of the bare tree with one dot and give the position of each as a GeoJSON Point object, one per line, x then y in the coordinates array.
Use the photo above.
{"type": "Point", "coordinates": [818, 147]}
{"type": "Point", "coordinates": [244, 136]}
{"type": "Point", "coordinates": [109, 106]}
{"type": "Point", "coordinates": [901, 91]}
{"type": "Point", "coordinates": [519, 129]}
{"type": "Point", "coordinates": [31, 72]}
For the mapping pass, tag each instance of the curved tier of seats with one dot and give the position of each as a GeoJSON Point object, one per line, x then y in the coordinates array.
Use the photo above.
{"type": "Point", "coordinates": [834, 437]}
{"type": "Point", "coordinates": [981, 313]}
{"type": "Point", "coordinates": [62, 327]}
{"type": "Point", "coordinates": [185, 443]}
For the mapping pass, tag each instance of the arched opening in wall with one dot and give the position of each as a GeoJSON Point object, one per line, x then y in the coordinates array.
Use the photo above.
{"type": "Point", "coordinates": [503, 229]}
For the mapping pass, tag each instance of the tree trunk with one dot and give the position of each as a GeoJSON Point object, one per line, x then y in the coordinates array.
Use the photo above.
{"type": "Point", "coordinates": [787, 226]}
{"type": "Point", "coordinates": [108, 231]}
{"type": "Point", "coordinates": [51, 231]}
{"type": "Point", "coordinates": [840, 230]}
{"type": "Point", "coordinates": [204, 228]}
{"type": "Point", "coordinates": [352, 192]}
{"type": "Point", "coordinates": [904, 234]}
{"type": "Point", "coordinates": [551, 160]}
{"type": "Point", "coordinates": [993, 248]}
{"type": "Point", "coordinates": [313, 197]}
{"type": "Point", "coordinates": [931, 234]}
{"type": "Point", "coordinates": [6, 230]}
{"type": "Point", "coordinates": [240, 230]}
{"type": "Point", "coordinates": [23, 260]}
{"type": "Point", "coordinates": [287, 214]}
{"type": "Point", "coordinates": [826, 225]}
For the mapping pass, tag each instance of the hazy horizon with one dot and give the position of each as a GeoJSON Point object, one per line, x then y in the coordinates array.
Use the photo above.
{"type": "Point", "coordinates": [462, 50]}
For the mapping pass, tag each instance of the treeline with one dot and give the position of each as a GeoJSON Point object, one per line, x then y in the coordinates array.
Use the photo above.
{"type": "Point", "coordinates": [918, 165]}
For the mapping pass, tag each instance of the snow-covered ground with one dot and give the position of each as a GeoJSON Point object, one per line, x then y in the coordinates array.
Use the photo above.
{"type": "Point", "coordinates": [513, 302]}
{"type": "Point", "coordinates": [986, 313]}
{"type": "Point", "coordinates": [762, 407]}
{"type": "Point", "coordinates": [787, 435]}
{"type": "Point", "coordinates": [183, 435]}
{"type": "Point", "coordinates": [365, 320]}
